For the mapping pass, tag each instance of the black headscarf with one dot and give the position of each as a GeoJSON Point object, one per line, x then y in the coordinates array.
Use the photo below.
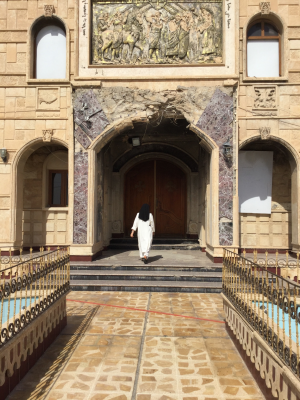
{"type": "Point", "coordinates": [144, 212]}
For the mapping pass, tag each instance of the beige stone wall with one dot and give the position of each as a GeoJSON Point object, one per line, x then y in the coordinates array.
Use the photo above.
{"type": "Point", "coordinates": [42, 227]}
{"type": "Point", "coordinates": [283, 126]}
{"type": "Point", "coordinates": [25, 114]}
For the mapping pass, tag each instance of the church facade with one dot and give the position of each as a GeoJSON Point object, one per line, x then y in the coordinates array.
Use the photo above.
{"type": "Point", "coordinates": [192, 107]}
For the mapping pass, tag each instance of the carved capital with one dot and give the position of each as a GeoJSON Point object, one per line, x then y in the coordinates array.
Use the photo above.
{"type": "Point", "coordinates": [47, 135]}
{"type": "Point", "coordinates": [48, 10]}
{"type": "Point", "coordinates": [265, 132]}
{"type": "Point", "coordinates": [265, 7]}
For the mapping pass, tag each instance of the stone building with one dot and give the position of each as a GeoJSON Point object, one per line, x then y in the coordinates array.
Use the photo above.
{"type": "Point", "coordinates": [193, 107]}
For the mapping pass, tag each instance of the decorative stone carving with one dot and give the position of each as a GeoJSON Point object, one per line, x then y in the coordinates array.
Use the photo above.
{"type": "Point", "coordinates": [48, 99]}
{"type": "Point", "coordinates": [116, 226]}
{"type": "Point", "coordinates": [47, 135]}
{"type": "Point", "coordinates": [265, 7]}
{"type": "Point", "coordinates": [265, 132]}
{"type": "Point", "coordinates": [88, 114]}
{"type": "Point", "coordinates": [160, 33]}
{"type": "Point", "coordinates": [193, 227]}
{"type": "Point", "coordinates": [265, 97]}
{"type": "Point", "coordinates": [48, 10]}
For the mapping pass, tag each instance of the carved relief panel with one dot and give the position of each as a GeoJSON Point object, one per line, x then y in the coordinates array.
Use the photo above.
{"type": "Point", "coordinates": [157, 32]}
{"type": "Point", "coordinates": [48, 99]}
{"type": "Point", "coordinates": [265, 100]}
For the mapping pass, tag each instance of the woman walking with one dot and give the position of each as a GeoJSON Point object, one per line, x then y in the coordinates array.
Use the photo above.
{"type": "Point", "coordinates": [144, 222]}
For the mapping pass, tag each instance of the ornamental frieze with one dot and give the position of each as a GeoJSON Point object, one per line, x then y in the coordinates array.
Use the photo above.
{"type": "Point", "coordinates": [157, 32]}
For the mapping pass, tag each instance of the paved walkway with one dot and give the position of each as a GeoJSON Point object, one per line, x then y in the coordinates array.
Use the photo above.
{"type": "Point", "coordinates": [192, 258]}
{"type": "Point", "coordinates": [110, 353]}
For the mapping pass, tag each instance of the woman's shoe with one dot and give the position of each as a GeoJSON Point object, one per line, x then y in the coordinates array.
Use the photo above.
{"type": "Point", "coordinates": [145, 260]}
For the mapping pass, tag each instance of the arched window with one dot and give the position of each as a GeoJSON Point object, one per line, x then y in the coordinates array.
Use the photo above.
{"type": "Point", "coordinates": [50, 50]}
{"type": "Point", "coordinates": [263, 50]}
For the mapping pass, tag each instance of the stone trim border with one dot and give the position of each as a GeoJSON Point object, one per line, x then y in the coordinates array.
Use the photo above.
{"type": "Point", "coordinates": [282, 382]}
{"type": "Point", "coordinates": [21, 353]}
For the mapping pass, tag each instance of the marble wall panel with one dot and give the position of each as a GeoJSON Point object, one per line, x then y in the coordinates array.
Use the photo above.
{"type": "Point", "coordinates": [216, 121]}
{"type": "Point", "coordinates": [91, 121]}
{"type": "Point", "coordinates": [80, 197]}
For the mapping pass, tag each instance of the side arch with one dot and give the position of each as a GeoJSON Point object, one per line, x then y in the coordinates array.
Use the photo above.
{"type": "Point", "coordinates": [277, 139]}
{"type": "Point", "coordinates": [292, 157]}
{"type": "Point", "coordinates": [17, 165]}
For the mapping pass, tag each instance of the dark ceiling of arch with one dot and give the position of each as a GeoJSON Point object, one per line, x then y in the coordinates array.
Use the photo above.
{"type": "Point", "coordinates": [156, 148]}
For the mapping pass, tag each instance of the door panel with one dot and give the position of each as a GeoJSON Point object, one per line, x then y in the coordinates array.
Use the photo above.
{"type": "Point", "coordinates": [166, 182]}
{"type": "Point", "coordinates": [170, 200]}
{"type": "Point", "coordinates": [139, 189]}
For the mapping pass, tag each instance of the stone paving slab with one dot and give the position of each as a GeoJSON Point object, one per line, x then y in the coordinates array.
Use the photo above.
{"type": "Point", "coordinates": [109, 353]}
{"type": "Point", "coordinates": [156, 258]}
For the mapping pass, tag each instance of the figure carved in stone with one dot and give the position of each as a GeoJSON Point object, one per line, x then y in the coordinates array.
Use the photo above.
{"type": "Point", "coordinates": [47, 135]}
{"type": "Point", "coordinates": [265, 7]}
{"type": "Point", "coordinates": [157, 33]}
{"type": "Point", "coordinates": [265, 132]}
{"type": "Point", "coordinates": [48, 10]}
{"type": "Point", "coordinates": [155, 26]}
{"type": "Point", "coordinates": [265, 97]}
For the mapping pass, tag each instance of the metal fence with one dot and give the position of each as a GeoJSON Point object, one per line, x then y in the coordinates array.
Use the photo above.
{"type": "Point", "coordinates": [30, 287]}
{"type": "Point", "coordinates": [282, 263]}
{"type": "Point", "coordinates": [269, 302]}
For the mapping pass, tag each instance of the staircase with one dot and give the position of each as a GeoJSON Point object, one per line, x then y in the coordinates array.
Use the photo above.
{"type": "Point", "coordinates": [168, 270]}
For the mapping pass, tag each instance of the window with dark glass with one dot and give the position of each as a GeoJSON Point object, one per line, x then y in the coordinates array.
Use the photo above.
{"type": "Point", "coordinates": [263, 50]}
{"type": "Point", "coordinates": [58, 188]}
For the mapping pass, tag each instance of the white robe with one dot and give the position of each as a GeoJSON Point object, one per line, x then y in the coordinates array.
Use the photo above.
{"type": "Point", "coordinates": [145, 234]}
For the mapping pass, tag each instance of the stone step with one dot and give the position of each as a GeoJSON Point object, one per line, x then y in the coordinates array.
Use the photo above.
{"type": "Point", "coordinates": [156, 240]}
{"type": "Point", "coordinates": [146, 275]}
{"type": "Point", "coordinates": [101, 266]}
{"type": "Point", "coordinates": [146, 286]}
{"type": "Point", "coordinates": [164, 246]}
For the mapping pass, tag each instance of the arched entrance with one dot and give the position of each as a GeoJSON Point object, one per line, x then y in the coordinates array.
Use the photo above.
{"type": "Point", "coordinates": [163, 185]}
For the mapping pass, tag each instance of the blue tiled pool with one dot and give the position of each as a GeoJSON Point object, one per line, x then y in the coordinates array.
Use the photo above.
{"type": "Point", "coordinates": [11, 309]}
{"type": "Point", "coordinates": [286, 320]}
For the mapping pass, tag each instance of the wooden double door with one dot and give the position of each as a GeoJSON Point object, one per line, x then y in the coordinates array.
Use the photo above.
{"type": "Point", "coordinates": [162, 185]}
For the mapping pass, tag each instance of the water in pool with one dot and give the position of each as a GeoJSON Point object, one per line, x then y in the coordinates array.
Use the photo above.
{"type": "Point", "coordinates": [286, 320]}
{"type": "Point", "coordinates": [11, 307]}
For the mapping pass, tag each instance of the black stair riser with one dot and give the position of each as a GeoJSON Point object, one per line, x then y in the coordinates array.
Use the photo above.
{"type": "Point", "coordinates": [145, 268]}
{"type": "Point", "coordinates": [144, 289]}
{"type": "Point", "coordinates": [144, 278]}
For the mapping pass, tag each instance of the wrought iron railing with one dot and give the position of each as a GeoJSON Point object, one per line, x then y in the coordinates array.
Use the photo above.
{"type": "Point", "coordinates": [269, 302]}
{"type": "Point", "coordinates": [14, 255]}
{"type": "Point", "coordinates": [283, 263]}
{"type": "Point", "coordinates": [30, 287]}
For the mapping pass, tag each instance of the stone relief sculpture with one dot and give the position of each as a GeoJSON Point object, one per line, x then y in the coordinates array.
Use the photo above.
{"type": "Point", "coordinates": [265, 97]}
{"type": "Point", "coordinates": [161, 33]}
